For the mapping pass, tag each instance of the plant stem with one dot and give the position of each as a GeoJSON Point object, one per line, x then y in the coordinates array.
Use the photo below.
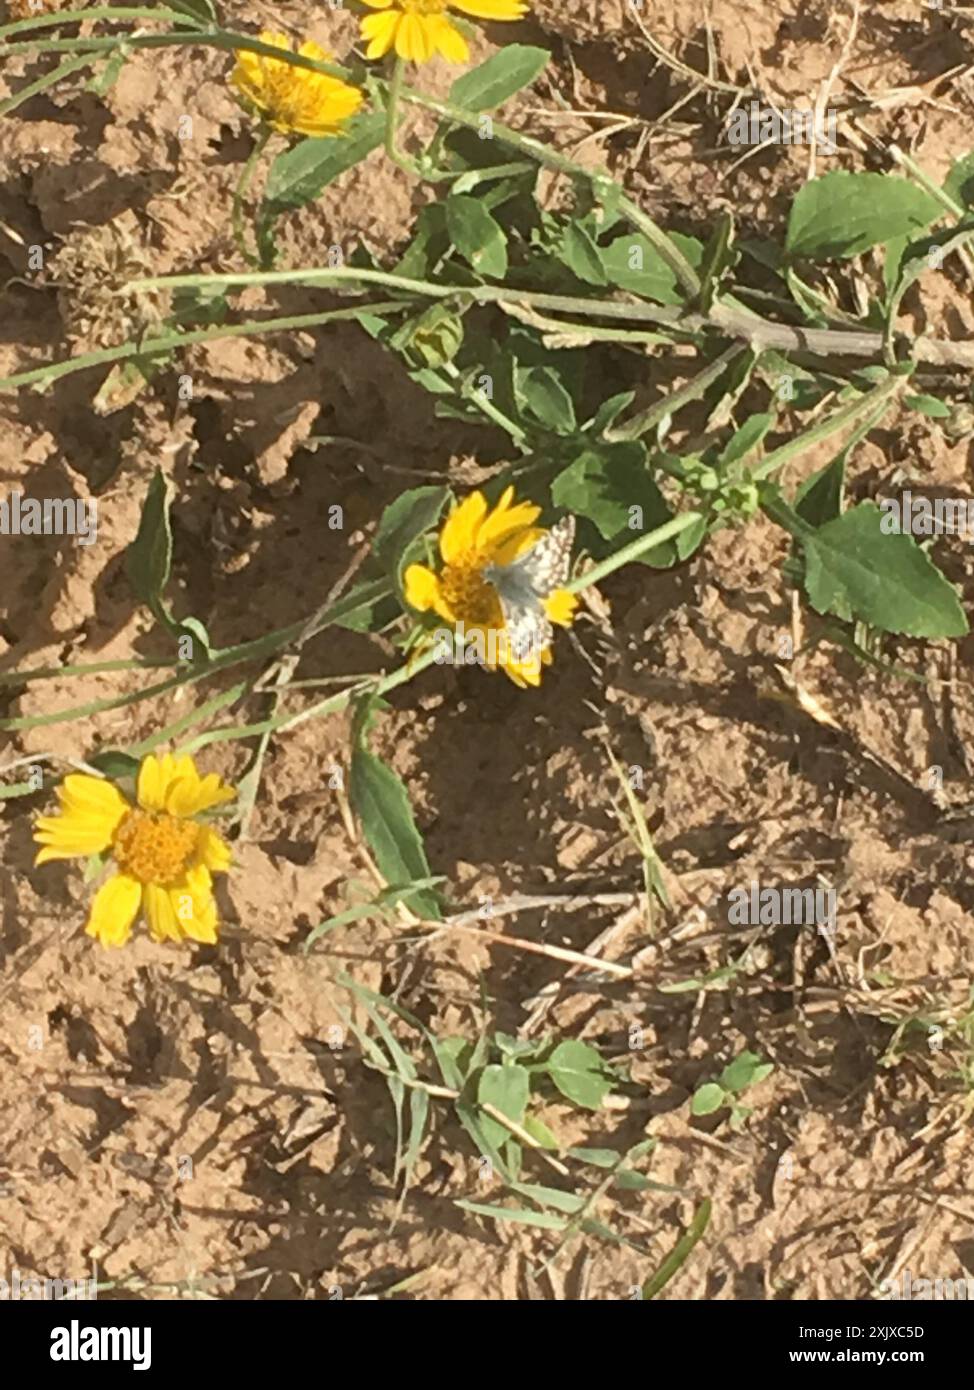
{"type": "Point", "coordinates": [879, 396]}
{"type": "Point", "coordinates": [760, 334]}
{"type": "Point", "coordinates": [239, 193]}
{"type": "Point", "coordinates": [212, 38]}
{"type": "Point", "coordinates": [111, 12]}
{"type": "Point", "coordinates": [633, 550]}
{"type": "Point", "coordinates": [170, 342]}
{"type": "Point", "coordinates": [49, 79]}
{"type": "Point", "coordinates": [393, 93]}
{"type": "Point", "coordinates": [693, 391]}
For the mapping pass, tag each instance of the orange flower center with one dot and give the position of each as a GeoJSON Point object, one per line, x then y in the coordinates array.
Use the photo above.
{"type": "Point", "coordinates": [470, 597]}
{"type": "Point", "coordinates": [155, 847]}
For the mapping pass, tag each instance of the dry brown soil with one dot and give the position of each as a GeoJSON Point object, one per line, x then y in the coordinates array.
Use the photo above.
{"type": "Point", "coordinates": [117, 1067]}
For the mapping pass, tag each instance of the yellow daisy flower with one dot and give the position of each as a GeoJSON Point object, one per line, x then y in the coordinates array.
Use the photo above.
{"type": "Point", "coordinates": [164, 856]}
{"type": "Point", "coordinates": [294, 101]}
{"type": "Point", "coordinates": [473, 538]}
{"type": "Point", "coordinates": [417, 29]}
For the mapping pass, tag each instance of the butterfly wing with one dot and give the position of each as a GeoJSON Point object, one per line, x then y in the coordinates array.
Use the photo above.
{"type": "Point", "coordinates": [523, 586]}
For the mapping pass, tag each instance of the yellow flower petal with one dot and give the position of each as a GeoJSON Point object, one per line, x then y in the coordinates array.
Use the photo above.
{"type": "Point", "coordinates": [191, 910]}
{"type": "Point", "coordinates": [310, 49]}
{"type": "Point", "coordinates": [459, 534]}
{"type": "Point", "coordinates": [191, 794]}
{"type": "Point", "coordinates": [293, 100]}
{"type": "Point", "coordinates": [421, 588]}
{"type": "Point", "coordinates": [380, 29]}
{"type": "Point", "coordinates": [560, 607]}
{"type": "Point", "coordinates": [114, 909]}
{"type": "Point", "coordinates": [213, 851]}
{"type": "Point", "coordinates": [491, 9]}
{"type": "Point", "coordinates": [414, 40]}
{"type": "Point", "coordinates": [448, 40]}
{"type": "Point", "coordinates": [91, 811]}
{"type": "Point", "coordinates": [506, 520]}
{"type": "Point", "coordinates": [155, 775]}
{"type": "Point", "coordinates": [160, 913]}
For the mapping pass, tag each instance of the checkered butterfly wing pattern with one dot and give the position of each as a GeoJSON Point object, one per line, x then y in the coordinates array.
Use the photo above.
{"type": "Point", "coordinates": [523, 585]}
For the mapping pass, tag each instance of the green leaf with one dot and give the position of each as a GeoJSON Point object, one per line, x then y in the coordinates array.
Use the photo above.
{"type": "Point", "coordinates": [841, 214]}
{"type": "Point", "coordinates": [631, 1181]}
{"type": "Point", "coordinates": [540, 1133]}
{"type": "Point", "coordinates": [959, 184]}
{"type": "Point", "coordinates": [598, 1158]}
{"type": "Point", "coordinates": [543, 397]}
{"type": "Point", "coordinates": [748, 437]}
{"type": "Point", "coordinates": [746, 1070]}
{"type": "Point", "coordinates": [603, 484]}
{"type": "Point", "coordinates": [853, 568]}
{"type": "Point", "coordinates": [479, 239]}
{"type": "Point", "coordinates": [403, 522]}
{"type": "Point", "coordinates": [381, 805]}
{"type": "Point", "coordinates": [631, 262]}
{"type": "Point", "coordinates": [519, 1047]}
{"type": "Point", "coordinates": [506, 72]}
{"type": "Point", "coordinates": [678, 1255]}
{"type": "Point", "coordinates": [928, 405]}
{"type": "Point", "coordinates": [148, 562]}
{"type": "Point", "coordinates": [114, 764]}
{"type": "Point", "coordinates": [299, 174]}
{"type": "Point", "coordinates": [149, 558]}
{"type": "Point", "coordinates": [580, 253]}
{"type": "Point", "coordinates": [610, 410]}
{"type": "Point", "coordinates": [718, 257]}
{"type": "Point", "coordinates": [518, 1215]}
{"type": "Point", "coordinates": [578, 1072]}
{"type": "Point", "coordinates": [819, 499]}
{"type": "Point", "coordinates": [107, 75]}
{"type": "Point", "coordinates": [707, 1099]}
{"type": "Point", "coordinates": [506, 1089]}
{"type": "Point", "coordinates": [569, 1202]}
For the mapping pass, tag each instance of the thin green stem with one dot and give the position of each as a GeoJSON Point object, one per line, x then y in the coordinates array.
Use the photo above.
{"type": "Point", "coordinates": [49, 79]}
{"type": "Point", "coordinates": [485, 405]}
{"type": "Point", "coordinates": [693, 391]}
{"type": "Point", "coordinates": [393, 93]}
{"type": "Point", "coordinates": [476, 294]}
{"type": "Point", "coordinates": [240, 192]}
{"type": "Point", "coordinates": [171, 342]}
{"type": "Point", "coordinates": [215, 38]}
{"type": "Point", "coordinates": [111, 12]}
{"type": "Point", "coordinates": [633, 550]}
{"type": "Point", "coordinates": [880, 395]}
{"type": "Point", "coordinates": [271, 642]}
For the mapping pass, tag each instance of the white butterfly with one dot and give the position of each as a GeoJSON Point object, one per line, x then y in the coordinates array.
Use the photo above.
{"type": "Point", "coordinates": [524, 584]}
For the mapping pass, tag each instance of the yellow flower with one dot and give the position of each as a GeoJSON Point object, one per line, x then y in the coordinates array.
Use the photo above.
{"type": "Point", "coordinates": [417, 29]}
{"type": "Point", "coordinates": [163, 855]}
{"type": "Point", "coordinates": [473, 539]}
{"type": "Point", "coordinates": [294, 101]}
